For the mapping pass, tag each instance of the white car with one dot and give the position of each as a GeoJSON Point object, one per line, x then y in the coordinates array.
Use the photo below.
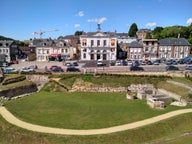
{"type": "Point", "coordinates": [27, 69]}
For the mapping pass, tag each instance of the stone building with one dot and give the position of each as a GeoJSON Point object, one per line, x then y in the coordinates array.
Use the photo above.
{"type": "Point", "coordinates": [173, 48]}
{"type": "Point", "coordinates": [98, 45]}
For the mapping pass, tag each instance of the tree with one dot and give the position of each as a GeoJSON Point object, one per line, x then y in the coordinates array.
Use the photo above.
{"type": "Point", "coordinates": [157, 32]}
{"type": "Point", "coordinates": [148, 36]}
{"type": "Point", "coordinates": [78, 33]}
{"type": "Point", "coordinates": [133, 29]}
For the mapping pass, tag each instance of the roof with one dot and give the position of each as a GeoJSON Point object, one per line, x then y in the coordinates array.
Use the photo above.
{"type": "Point", "coordinates": [174, 42]}
{"type": "Point", "coordinates": [6, 43]}
{"type": "Point", "coordinates": [98, 34]}
{"type": "Point", "coordinates": [135, 44]}
{"type": "Point", "coordinates": [43, 42]}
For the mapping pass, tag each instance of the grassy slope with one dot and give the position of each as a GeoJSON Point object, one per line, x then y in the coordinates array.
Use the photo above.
{"type": "Point", "coordinates": [81, 110]}
{"type": "Point", "coordinates": [168, 128]}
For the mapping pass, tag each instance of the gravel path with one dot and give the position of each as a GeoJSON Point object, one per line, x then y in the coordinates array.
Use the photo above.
{"type": "Point", "coordinates": [37, 128]}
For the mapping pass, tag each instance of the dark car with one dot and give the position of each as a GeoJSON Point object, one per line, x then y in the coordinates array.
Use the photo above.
{"type": "Point", "coordinates": [149, 63]}
{"type": "Point", "coordinates": [72, 69]}
{"type": "Point", "coordinates": [181, 61]}
{"type": "Point", "coordinates": [136, 68]}
{"type": "Point", "coordinates": [171, 68]}
{"type": "Point", "coordinates": [188, 67]}
{"type": "Point", "coordinates": [75, 64]}
{"type": "Point", "coordinates": [57, 69]}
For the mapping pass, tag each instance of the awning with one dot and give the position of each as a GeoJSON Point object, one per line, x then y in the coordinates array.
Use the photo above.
{"type": "Point", "coordinates": [55, 55]}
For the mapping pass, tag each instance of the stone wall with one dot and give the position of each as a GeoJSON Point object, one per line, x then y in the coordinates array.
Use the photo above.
{"type": "Point", "coordinates": [16, 91]}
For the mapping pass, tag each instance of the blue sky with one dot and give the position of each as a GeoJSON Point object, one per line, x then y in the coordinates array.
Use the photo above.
{"type": "Point", "coordinates": [20, 18]}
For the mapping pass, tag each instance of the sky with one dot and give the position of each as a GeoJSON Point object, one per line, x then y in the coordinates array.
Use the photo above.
{"type": "Point", "coordinates": [21, 18]}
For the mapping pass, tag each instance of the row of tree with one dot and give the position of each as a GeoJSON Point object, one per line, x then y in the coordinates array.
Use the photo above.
{"type": "Point", "coordinates": [160, 32]}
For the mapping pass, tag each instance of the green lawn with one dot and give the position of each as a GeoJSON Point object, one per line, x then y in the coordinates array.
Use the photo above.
{"type": "Point", "coordinates": [172, 127]}
{"type": "Point", "coordinates": [79, 110]}
{"type": "Point", "coordinates": [182, 91]}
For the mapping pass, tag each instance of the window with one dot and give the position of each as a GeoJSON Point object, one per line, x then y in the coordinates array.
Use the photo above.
{"type": "Point", "coordinates": [84, 42]}
{"type": "Point", "coordinates": [84, 55]}
{"type": "Point", "coordinates": [98, 42]}
{"type": "Point", "coordinates": [92, 42]}
{"type": "Point", "coordinates": [84, 50]}
{"type": "Point", "coordinates": [66, 50]}
{"type": "Point", "coordinates": [112, 42]}
{"type": "Point", "coordinates": [104, 42]}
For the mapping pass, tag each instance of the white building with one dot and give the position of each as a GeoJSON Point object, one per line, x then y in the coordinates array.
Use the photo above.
{"type": "Point", "coordinates": [98, 45]}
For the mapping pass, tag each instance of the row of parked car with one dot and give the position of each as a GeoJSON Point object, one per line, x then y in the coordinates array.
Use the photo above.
{"type": "Point", "coordinates": [186, 60]}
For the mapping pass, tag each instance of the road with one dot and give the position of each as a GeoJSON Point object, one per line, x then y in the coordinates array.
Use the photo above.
{"type": "Point", "coordinates": [41, 67]}
{"type": "Point", "coordinates": [37, 128]}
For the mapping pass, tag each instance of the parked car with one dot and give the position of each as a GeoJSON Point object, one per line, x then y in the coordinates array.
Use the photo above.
{"type": "Point", "coordinates": [156, 62]}
{"type": "Point", "coordinates": [11, 70]}
{"type": "Point", "coordinates": [33, 66]}
{"type": "Point", "coordinates": [149, 62]}
{"type": "Point", "coordinates": [171, 68]}
{"type": "Point", "coordinates": [73, 69]}
{"type": "Point", "coordinates": [75, 64]}
{"type": "Point", "coordinates": [27, 69]}
{"type": "Point", "coordinates": [188, 67]}
{"type": "Point", "coordinates": [129, 62]}
{"type": "Point", "coordinates": [100, 62]}
{"type": "Point", "coordinates": [112, 63]}
{"type": "Point", "coordinates": [57, 69]}
{"type": "Point", "coordinates": [124, 62]}
{"type": "Point", "coordinates": [52, 67]}
{"type": "Point", "coordinates": [180, 61]}
{"type": "Point", "coordinates": [118, 63]}
{"type": "Point", "coordinates": [168, 62]}
{"type": "Point", "coordinates": [136, 68]}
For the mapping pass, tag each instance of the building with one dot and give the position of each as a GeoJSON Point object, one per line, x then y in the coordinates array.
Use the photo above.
{"type": "Point", "coordinates": [141, 34]}
{"type": "Point", "coordinates": [150, 49]}
{"type": "Point", "coordinates": [124, 38]}
{"type": "Point", "coordinates": [53, 50]}
{"type": "Point", "coordinates": [98, 45]}
{"type": "Point", "coordinates": [8, 50]}
{"type": "Point", "coordinates": [173, 48]}
{"type": "Point", "coordinates": [135, 51]}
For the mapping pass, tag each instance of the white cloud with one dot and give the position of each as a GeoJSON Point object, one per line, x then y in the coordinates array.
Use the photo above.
{"type": "Point", "coordinates": [80, 14]}
{"type": "Point", "coordinates": [189, 21]}
{"type": "Point", "coordinates": [77, 25]}
{"type": "Point", "coordinates": [99, 21]}
{"type": "Point", "coordinates": [150, 25]}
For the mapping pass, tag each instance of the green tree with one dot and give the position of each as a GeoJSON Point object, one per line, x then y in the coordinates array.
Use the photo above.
{"type": "Point", "coordinates": [157, 32]}
{"type": "Point", "coordinates": [148, 36]}
{"type": "Point", "coordinates": [132, 30]}
{"type": "Point", "coordinates": [78, 33]}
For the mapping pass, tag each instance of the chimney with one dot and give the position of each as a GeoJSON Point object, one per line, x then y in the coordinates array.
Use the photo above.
{"type": "Point", "coordinates": [98, 27]}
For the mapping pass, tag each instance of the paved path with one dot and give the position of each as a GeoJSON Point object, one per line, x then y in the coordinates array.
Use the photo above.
{"type": "Point", "coordinates": [37, 128]}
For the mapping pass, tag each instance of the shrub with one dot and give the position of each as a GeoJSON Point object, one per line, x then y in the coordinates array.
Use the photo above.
{"type": "Point", "coordinates": [9, 80]}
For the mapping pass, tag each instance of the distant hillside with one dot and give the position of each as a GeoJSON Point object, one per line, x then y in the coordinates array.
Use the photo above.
{"type": "Point", "coordinates": [5, 38]}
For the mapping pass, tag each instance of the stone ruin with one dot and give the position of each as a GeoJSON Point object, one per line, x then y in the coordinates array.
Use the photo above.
{"type": "Point", "coordinates": [154, 98]}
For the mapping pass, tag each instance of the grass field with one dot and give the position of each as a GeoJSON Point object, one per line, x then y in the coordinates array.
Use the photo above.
{"type": "Point", "coordinates": [79, 110]}
{"type": "Point", "coordinates": [156, 132]}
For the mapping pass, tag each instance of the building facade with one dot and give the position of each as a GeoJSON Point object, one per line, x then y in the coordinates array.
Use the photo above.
{"type": "Point", "coordinates": [8, 50]}
{"type": "Point", "coordinates": [98, 45]}
{"type": "Point", "coordinates": [150, 49]}
{"type": "Point", "coordinates": [135, 51]}
{"type": "Point", "coordinates": [174, 48]}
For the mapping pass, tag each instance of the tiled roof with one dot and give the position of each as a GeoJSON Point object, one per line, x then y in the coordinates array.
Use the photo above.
{"type": "Point", "coordinates": [5, 43]}
{"type": "Point", "coordinates": [135, 44]}
{"type": "Point", "coordinates": [173, 42]}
